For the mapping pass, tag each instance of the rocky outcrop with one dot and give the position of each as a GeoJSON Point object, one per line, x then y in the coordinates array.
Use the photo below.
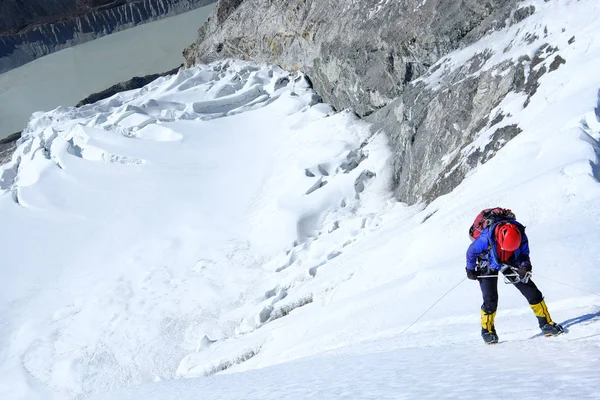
{"type": "Point", "coordinates": [134, 83]}
{"type": "Point", "coordinates": [18, 15]}
{"type": "Point", "coordinates": [383, 59]}
{"type": "Point", "coordinates": [31, 30]}
{"type": "Point", "coordinates": [358, 54]}
{"type": "Point", "coordinates": [429, 127]}
{"type": "Point", "coordinates": [433, 125]}
{"type": "Point", "coordinates": [8, 146]}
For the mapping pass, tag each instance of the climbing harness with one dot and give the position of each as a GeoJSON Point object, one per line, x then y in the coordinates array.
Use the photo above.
{"type": "Point", "coordinates": [511, 277]}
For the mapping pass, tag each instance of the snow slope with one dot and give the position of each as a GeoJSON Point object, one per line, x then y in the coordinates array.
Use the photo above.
{"type": "Point", "coordinates": [133, 226]}
{"type": "Point", "coordinates": [222, 225]}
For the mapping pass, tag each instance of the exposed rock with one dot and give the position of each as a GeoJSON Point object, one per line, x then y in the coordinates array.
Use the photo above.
{"type": "Point", "coordinates": [353, 159]}
{"type": "Point", "coordinates": [500, 137]}
{"type": "Point", "coordinates": [134, 83]}
{"type": "Point", "coordinates": [29, 30]}
{"type": "Point", "coordinates": [543, 53]}
{"type": "Point", "coordinates": [537, 71]}
{"type": "Point", "coordinates": [10, 138]}
{"type": "Point", "coordinates": [225, 10]}
{"type": "Point", "coordinates": [532, 83]}
{"type": "Point", "coordinates": [359, 55]}
{"type": "Point", "coordinates": [359, 183]}
{"type": "Point", "coordinates": [497, 119]}
{"type": "Point", "coordinates": [520, 75]}
{"type": "Point", "coordinates": [558, 61]}
{"type": "Point", "coordinates": [522, 13]}
{"type": "Point", "coordinates": [426, 125]}
{"type": "Point", "coordinates": [377, 58]}
{"type": "Point", "coordinates": [21, 15]}
{"type": "Point", "coordinates": [8, 146]}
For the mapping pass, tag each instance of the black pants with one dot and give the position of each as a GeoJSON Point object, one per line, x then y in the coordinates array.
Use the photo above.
{"type": "Point", "coordinates": [489, 290]}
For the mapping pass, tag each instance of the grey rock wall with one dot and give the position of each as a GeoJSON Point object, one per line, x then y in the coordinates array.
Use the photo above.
{"type": "Point", "coordinates": [136, 82]}
{"type": "Point", "coordinates": [425, 126]}
{"type": "Point", "coordinates": [18, 14]}
{"type": "Point", "coordinates": [41, 39]}
{"type": "Point", "coordinates": [433, 124]}
{"type": "Point", "coordinates": [359, 54]}
{"type": "Point", "coordinates": [8, 146]}
{"type": "Point", "coordinates": [377, 58]}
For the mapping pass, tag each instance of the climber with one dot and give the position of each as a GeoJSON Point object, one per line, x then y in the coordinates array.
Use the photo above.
{"type": "Point", "coordinates": [502, 246]}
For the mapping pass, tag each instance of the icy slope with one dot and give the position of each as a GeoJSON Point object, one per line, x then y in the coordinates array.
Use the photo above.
{"type": "Point", "coordinates": [132, 227]}
{"type": "Point", "coordinates": [221, 225]}
{"type": "Point", "coordinates": [383, 279]}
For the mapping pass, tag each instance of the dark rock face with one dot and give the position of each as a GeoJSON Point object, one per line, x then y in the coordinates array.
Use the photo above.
{"type": "Point", "coordinates": [426, 127]}
{"type": "Point", "coordinates": [17, 15]}
{"type": "Point", "coordinates": [8, 146]}
{"type": "Point", "coordinates": [32, 29]}
{"type": "Point", "coordinates": [134, 83]}
{"type": "Point", "coordinates": [359, 55]}
{"type": "Point", "coordinates": [523, 13]}
{"type": "Point", "coordinates": [378, 58]}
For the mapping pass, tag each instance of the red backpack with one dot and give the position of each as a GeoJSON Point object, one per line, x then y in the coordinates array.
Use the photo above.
{"type": "Point", "coordinates": [489, 217]}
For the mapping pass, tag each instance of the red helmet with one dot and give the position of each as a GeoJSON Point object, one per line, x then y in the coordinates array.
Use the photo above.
{"type": "Point", "coordinates": [508, 236]}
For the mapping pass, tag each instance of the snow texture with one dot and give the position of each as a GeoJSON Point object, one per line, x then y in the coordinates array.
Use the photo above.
{"type": "Point", "coordinates": [222, 226]}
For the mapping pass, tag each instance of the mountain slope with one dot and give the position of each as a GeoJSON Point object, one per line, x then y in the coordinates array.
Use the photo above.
{"type": "Point", "coordinates": [132, 228]}
{"type": "Point", "coordinates": [389, 62]}
{"type": "Point", "coordinates": [30, 30]}
{"type": "Point", "coordinates": [223, 225]}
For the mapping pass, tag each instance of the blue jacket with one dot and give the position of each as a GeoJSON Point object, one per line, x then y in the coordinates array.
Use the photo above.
{"type": "Point", "coordinates": [484, 248]}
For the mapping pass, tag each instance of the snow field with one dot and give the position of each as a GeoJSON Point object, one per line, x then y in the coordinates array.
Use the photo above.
{"type": "Point", "coordinates": [465, 372]}
{"type": "Point", "coordinates": [223, 226]}
{"type": "Point", "coordinates": [133, 234]}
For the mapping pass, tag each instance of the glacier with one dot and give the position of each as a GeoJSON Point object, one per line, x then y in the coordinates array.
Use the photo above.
{"type": "Point", "coordinates": [221, 233]}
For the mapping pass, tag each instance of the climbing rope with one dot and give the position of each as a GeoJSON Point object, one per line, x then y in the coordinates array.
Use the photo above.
{"type": "Point", "coordinates": [464, 279]}
{"type": "Point", "coordinates": [433, 305]}
{"type": "Point", "coordinates": [567, 284]}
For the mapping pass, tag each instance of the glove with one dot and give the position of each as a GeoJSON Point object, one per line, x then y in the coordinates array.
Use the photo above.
{"type": "Point", "coordinates": [472, 274]}
{"type": "Point", "coordinates": [524, 268]}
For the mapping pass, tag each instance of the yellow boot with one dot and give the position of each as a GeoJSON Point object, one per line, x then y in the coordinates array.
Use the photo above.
{"type": "Point", "coordinates": [548, 327]}
{"type": "Point", "coordinates": [488, 331]}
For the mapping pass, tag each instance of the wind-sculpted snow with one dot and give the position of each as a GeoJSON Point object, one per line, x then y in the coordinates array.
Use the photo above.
{"type": "Point", "coordinates": [142, 223]}
{"type": "Point", "coordinates": [223, 225]}
{"type": "Point", "coordinates": [372, 372]}
{"type": "Point", "coordinates": [370, 302]}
